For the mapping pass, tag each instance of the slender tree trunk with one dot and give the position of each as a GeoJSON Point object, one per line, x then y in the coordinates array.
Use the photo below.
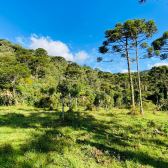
{"type": "Point", "coordinates": [63, 109]}
{"type": "Point", "coordinates": [130, 76]}
{"type": "Point", "coordinates": [14, 90]}
{"type": "Point", "coordinates": [70, 101]}
{"type": "Point", "coordinates": [139, 81]}
{"type": "Point", "coordinates": [37, 72]}
{"type": "Point", "coordinates": [14, 81]}
{"type": "Point", "coordinates": [99, 103]}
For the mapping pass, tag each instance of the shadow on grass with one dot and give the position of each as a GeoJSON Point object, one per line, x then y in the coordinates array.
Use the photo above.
{"type": "Point", "coordinates": [89, 123]}
{"type": "Point", "coordinates": [9, 158]}
{"type": "Point", "coordinates": [53, 140]}
{"type": "Point", "coordinates": [33, 120]}
{"type": "Point", "coordinates": [140, 157]}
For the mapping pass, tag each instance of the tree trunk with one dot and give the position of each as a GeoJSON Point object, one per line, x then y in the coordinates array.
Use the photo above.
{"type": "Point", "coordinates": [130, 76]}
{"type": "Point", "coordinates": [63, 109]}
{"type": "Point", "coordinates": [14, 90]}
{"type": "Point", "coordinates": [37, 68]}
{"type": "Point", "coordinates": [99, 103]}
{"type": "Point", "coordinates": [139, 81]}
{"type": "Point", "coordinates": [14, 81]}
{"type": "Point", "coordinates": [70, 101]}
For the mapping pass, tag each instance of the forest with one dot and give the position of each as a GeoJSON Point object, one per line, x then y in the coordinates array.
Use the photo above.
{"type": "Point", "coordinates": [34, 78]}
{"type": "Point", "coordinates": [57, 113]}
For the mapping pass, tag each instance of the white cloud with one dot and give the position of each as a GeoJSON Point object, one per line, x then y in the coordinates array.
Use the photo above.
{"type": "Point", "coordinates": [158, 64]}
{"type": "Point", "coordinates": [81, 56]}
{"type": "Point", "coordinates": [126, 70]}
{"type": "Point", "coordinates": [21, 40]}
{"type": "Point", "coordinates": [54, 48]}
{"type": "Point", "coordinates": [154, 58]}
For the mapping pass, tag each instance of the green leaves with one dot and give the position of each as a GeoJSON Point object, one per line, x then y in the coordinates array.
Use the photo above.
{"type": "Point", "coordinates": [144, 45]}
{"type": "Point", "coordinates": [75, 91]}
{"type": "Point", "coordinates": [130, 30]}
{"type": "Point", "coordinates": [63, 88]}
{"type": "Point", "coordinates": [103, 49]}
{"type": "Point", "coordinates": [12, 71]}
{"type": "Point", "coordinates": [150, 49]}
{"type": "Point", "coordinates": [99, 59]}
{"type": "Point", "coordinates": [165, 35]}
{"type": "Point", "coordinates": [40, 52]}
{"type": "Point", "coordinates": [160, 45]}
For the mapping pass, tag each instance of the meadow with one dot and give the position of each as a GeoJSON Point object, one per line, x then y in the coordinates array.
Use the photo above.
{"type": "Point", "coordinates": [36, 137]}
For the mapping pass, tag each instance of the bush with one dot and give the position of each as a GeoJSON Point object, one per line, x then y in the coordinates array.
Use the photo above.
{"type": "Point", "coordinates": [90, 107]}
{"type": "Point", "coordinates": [148, 105]}
{"type": "Point", "coordinates": [135, 111]}
{"type": "Point", "coordinates": [46, 102]}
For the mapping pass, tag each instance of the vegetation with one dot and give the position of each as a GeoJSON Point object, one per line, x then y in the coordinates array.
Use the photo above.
{"type": "Point", "coordinates": [34, 78]}
{"type": "Point", "coordinates": [124, 38]}
{"type": "Point", "coordinates": [56, 113]}
{"type": "Point", "coordinates": [34, 137]}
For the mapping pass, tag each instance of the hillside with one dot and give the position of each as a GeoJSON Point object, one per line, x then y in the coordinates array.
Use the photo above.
{"type": "Point", "coordinates": [31, 77]}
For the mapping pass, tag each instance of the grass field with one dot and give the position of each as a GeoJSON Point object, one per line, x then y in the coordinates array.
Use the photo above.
{"type": "Point", "coordinates": [36, 138]}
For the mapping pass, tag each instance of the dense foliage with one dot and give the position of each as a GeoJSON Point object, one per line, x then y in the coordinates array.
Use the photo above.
{"type": "Point", "coordinates": [34, 78]}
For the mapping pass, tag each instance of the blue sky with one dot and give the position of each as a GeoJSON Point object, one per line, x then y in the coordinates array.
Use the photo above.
{"type": "Point", "coordinates": [75, 29]}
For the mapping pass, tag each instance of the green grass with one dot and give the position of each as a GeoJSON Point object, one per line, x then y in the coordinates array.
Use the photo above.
{"type": "Point", "coordinates": [31, 137]}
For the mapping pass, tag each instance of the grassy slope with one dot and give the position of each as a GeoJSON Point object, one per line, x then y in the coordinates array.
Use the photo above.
{"type": "Point", "coordinates": [33, 137]}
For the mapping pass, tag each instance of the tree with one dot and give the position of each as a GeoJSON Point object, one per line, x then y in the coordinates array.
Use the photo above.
{"type": "Point", "coordinates": [39, 62]}
{"type": "Point", "coordinates": [12, 71]}
{"type": "Point", "coordinates": [75, 92]}
{"type": "Point", "coordinates": [121, 39]}
{"type": "Point", "coordinates": [141, 31]}
{"type": "Point", "coordinates": [24, 56]}
{"type": "Point", "coordinates": [128, 35]}
{"type": "Point", "coordinates": [98, 98]}
{"type": "Point", "coordinates": [64, 90]}
{"type": "Point", "coordinates": [73, 75]}
{"type": "Point", "coordinates": [58, 60]}
{"type": "Point", "coordinates": [73, 72]}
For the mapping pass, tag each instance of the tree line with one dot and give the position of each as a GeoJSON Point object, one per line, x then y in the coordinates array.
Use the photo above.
{"type": "Point", "coordinates": [34, 78]}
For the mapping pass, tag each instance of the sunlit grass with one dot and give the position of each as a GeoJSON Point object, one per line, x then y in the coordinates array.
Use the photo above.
{"type": "Point", "coordinates": [32, 137]}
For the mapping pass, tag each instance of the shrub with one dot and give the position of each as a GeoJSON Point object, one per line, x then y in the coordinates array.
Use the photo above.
{"type": "Point", "coordinates": [90, 107]}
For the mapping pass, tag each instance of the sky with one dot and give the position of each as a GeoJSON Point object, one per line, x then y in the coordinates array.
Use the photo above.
{"type": "Point", "coordinates": [75, 29]}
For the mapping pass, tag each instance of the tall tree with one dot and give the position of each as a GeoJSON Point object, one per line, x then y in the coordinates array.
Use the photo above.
{"type": "Point", "coordinates": [141, 31]}
{"type": "Point", "coordinates": [39, 62]}
{"type": "Point", "coordinates": [121, 39]}
{"type": "Point", "coordinates": [24, 56]}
